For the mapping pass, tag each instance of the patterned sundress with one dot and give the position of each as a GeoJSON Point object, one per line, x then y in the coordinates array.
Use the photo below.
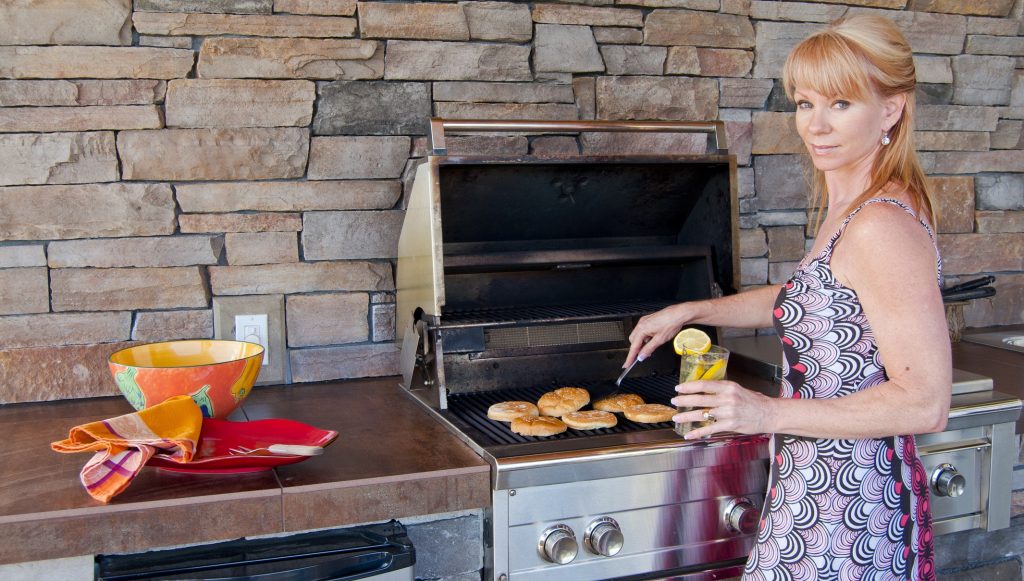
{"type": "Point", "coordinates": [838, 509]}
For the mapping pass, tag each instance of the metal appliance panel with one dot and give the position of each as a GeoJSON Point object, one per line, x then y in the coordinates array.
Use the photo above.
{"type": "Point", "coordinates": [984, 454]}
{"type": "Point", "coordinates": [970, 457]}
{"type": "Point", "coordinates": [668, 453]}
{"type": "Point", "coordinates": [419, 283]}
{"type": "Point", "coordinates": [668, 520]}
{"type": "Point", "coordinates": [573, 498]}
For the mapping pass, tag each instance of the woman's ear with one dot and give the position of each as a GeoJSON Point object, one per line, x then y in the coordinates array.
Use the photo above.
{"type": "Point", "coordinates": [893, 108]}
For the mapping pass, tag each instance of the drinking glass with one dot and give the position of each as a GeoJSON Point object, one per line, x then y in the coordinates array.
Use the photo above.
{"type": "Point", "coordinates": [701, 367]}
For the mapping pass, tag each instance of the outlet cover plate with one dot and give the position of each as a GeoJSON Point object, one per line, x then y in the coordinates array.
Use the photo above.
{"type": "Point", "coordinates": [226, 309]}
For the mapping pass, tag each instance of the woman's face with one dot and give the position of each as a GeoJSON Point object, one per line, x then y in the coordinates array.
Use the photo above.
{"type": "Point", "coordinates": [842, 134]}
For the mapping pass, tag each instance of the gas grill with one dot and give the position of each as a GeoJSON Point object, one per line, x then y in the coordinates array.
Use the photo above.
{"type": "Point", "coordinates": [520, 275]}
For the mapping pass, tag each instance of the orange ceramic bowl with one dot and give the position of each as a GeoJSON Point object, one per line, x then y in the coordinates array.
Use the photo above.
{"type": "Point", "coordinates": [218, 375]}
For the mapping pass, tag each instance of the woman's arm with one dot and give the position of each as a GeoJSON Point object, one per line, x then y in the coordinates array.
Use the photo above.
{"type": "Point", "coordinates": [750, 309]}
{"type": "Point", "coordinates": [889, 260]}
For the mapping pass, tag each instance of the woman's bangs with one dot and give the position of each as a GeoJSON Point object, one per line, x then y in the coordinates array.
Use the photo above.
{"type": "Point", "coordinates": [826, 65]}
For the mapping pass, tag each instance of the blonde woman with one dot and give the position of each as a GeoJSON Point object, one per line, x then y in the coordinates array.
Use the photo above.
{"type": "Point", "coordinates": [866, 351]}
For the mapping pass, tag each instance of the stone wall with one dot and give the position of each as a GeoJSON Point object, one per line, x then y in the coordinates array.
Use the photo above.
{"type": "Point", "coordinates": [159, 155]}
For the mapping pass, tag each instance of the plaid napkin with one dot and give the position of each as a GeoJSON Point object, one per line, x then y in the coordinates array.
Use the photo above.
{"type": "Point", "coordinates": [124, 444]}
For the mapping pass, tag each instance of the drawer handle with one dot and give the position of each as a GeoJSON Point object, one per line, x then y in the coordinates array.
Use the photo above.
{"type": "Point", "coordinates": [979, 444]}
{"type": "Point", "coordinates": [947, 481]}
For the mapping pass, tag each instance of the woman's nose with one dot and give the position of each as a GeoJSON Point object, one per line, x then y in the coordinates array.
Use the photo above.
{"type": "Point", "coordinates": [818, 122]}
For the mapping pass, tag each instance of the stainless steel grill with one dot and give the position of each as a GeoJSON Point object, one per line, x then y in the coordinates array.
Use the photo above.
{"type": "Point", "coordinates": [517, 276]}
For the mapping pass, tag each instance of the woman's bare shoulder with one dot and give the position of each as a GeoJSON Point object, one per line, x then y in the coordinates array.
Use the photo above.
{"type": "Point", "coordinates": [888, 238]}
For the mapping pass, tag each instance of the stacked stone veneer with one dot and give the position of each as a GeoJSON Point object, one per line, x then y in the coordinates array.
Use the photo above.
{"type": "Point", "coordinates": [157, 155]}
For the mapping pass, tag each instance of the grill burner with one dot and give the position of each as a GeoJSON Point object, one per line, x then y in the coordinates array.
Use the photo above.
{"type": "Point", "coordinates": [549, 313]}
{"type": "Point", "coordinates": [471, 410]}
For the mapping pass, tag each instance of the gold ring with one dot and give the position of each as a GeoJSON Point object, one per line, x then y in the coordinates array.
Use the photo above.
{"type": "Point", "coordinates": [709, 417]}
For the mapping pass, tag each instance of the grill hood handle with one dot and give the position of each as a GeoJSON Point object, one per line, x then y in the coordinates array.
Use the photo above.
{"type": "Point", "coordinates": [715, 129]}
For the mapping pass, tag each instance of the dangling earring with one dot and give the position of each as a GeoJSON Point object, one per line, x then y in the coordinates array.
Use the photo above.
{"type": "Point", "coordinates": [885, 138]}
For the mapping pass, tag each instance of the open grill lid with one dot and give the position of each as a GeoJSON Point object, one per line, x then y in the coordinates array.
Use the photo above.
{"type": "Point", "coordinates": [503, 233]}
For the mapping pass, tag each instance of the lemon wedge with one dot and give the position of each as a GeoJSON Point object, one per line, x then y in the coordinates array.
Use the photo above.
{"type": "Point", "coordinates": [691, 373]}
{"type": "Point", "coordinates": [692, 341]}
{"type": "Point", "coordinates": [716, 371]}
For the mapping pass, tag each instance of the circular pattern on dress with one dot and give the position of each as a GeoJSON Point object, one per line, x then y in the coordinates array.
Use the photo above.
{"type": "Point", "coordinates": [838, 509]}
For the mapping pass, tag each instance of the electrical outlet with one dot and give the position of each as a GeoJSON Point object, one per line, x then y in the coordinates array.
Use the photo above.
{"type": "Point", "coordinates": [253, 328]}
{"type": "Point", "coordinates": [259, 319]}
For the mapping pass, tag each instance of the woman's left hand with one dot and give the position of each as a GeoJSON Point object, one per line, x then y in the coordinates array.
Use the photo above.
{"type": "Point", "coordinates": [734, 408]}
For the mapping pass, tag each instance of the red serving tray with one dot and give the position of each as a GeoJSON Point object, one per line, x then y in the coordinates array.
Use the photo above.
{"type": "Point", "coordinates": [217, 436]}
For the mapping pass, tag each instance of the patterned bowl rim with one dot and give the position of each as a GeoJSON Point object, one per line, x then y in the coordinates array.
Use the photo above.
{"type": "Point", "coordinates": [259, 351]}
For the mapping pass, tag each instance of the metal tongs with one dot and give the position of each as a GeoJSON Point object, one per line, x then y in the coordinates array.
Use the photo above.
{"type": "Point", "coordinates": [607, 388]}
{"type": "Point", "coordinates": [625, 372]}
{"type": "Point", "coordinates": [973, 289]}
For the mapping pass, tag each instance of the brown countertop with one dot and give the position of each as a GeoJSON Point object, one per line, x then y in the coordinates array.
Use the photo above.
{"type": "Point", "coordinates": [1005, 367]}
{"type": "Point", "coordinates": [391, 460]}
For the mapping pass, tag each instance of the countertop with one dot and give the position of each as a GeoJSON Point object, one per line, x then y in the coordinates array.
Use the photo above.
{"type": "Point", "coordinates": [1005, 367]}
{"type": "Point", "coordinates": [390, 460]}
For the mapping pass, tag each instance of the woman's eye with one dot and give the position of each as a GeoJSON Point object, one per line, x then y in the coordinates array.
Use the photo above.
{"type": "Point", "coordinates": [803, 104]}
{"type": "Point", "coordinates": [841, 104]}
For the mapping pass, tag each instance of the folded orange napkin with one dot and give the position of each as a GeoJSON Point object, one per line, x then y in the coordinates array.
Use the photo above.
{"type": "Point", "coordinates": [124, 444]}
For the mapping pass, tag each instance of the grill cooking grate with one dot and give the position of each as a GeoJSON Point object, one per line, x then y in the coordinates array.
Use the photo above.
{"type": "Point", "coordinates": [471, 409]}
{"type": "Point", "coordinates": [540, 314]}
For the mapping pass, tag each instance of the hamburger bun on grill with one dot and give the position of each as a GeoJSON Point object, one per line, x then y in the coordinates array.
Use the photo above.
{"type": "Point", "coordinates": [563, 400]}
{"type": "Point", "coordinates": [650, 413]}
{"type": "Point", "coordinates": [506, 411]}
{"type": "Point", "coordinates": [537, 426]}
{"type": "Point", "coordinates": [589, 420]}
{"type": "Point", "coordinates": [618, 402]}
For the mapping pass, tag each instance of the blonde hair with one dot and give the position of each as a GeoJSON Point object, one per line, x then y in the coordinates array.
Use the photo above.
{"type": "Point", "coordinates": [859, 57]}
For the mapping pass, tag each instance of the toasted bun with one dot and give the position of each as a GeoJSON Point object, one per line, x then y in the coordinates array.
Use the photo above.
{"type": "Point", "coordinates": [506, 411]}
{"type": "Point", "coordinates": [563, 400]}
{"type": "Point", "coordinates": [618, 402]}
{"type": "Point", "coordinates": [589, 420]}
{"type": "Point", "coordinates": [537, 426]}
{"type": "Point", "coordinates": [650, 413]}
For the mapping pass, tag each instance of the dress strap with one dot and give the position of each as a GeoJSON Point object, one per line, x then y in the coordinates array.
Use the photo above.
{"type": "Point", "coordinates": [931, 234]}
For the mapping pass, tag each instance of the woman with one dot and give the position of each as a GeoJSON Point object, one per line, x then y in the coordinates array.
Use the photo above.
{"type": "Point", "coordinates": [865, 344]}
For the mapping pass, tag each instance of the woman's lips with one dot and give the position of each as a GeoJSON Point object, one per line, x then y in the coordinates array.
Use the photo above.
{"type": "Point", "coordinates": [823, 149]}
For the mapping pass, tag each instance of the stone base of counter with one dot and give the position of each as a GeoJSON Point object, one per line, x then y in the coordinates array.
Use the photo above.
{"type": "Point", "coordinates": [449, 547]}
{"type": "Point", "coordinates": [1008, 570]}
{"type": "Point", "coordinates": [978, 554]}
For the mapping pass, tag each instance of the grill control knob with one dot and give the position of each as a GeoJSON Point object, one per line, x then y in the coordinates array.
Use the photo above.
{"type": "Point", "coordinates": [558, 544]}
{"type": "Point", "coordinates": [947, 481]}
{"type": "Point", "coordinates": [603, 537]}
{"type": "Point", "coordinates": [741, 516]}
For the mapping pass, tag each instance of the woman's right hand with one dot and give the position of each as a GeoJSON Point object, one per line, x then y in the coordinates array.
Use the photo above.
{"type": "Point", "coordinates": [653, 330]}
